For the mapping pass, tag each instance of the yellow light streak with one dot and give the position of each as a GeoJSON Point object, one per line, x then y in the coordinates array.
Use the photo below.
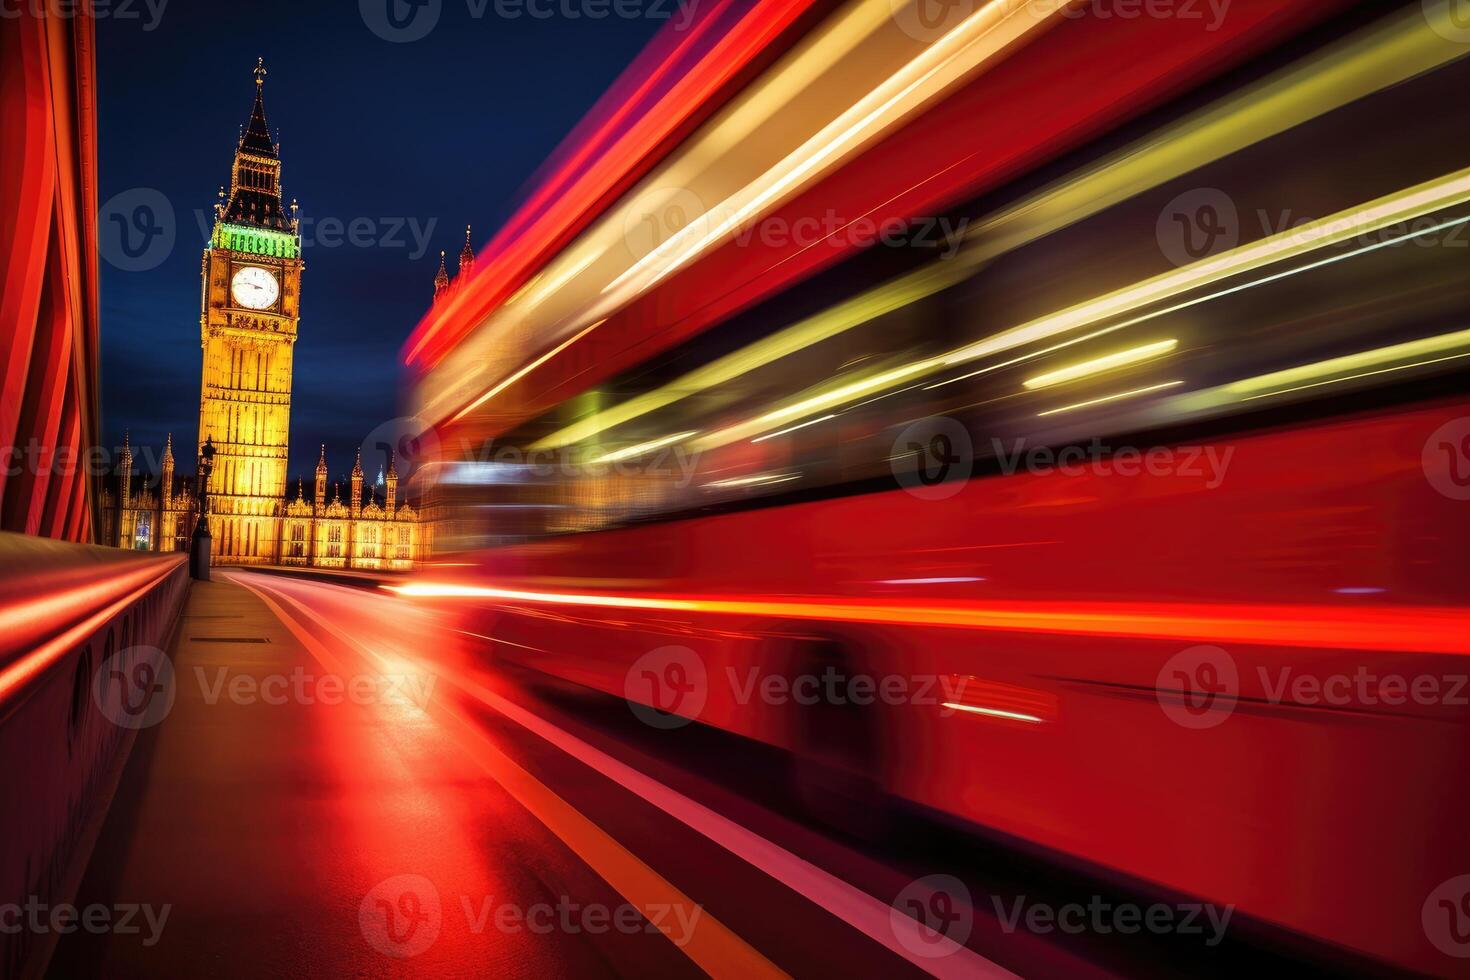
{"type": "Point", "coordinates": [815, 329]}
{"type": "Point", "coordinates": [985, 34]}
{"type": "Point", "coordinates": [1357, 377]}
{"type": "Point", "coordinates": [1110, 398]}
{"type": "Point", "coordinates": [1376, 58]}
{"type": "Point", "coordinates": [1027, 357]}
{"type": "Point", "coordinates": [535, 296]}
{"type": "Point", "coordinates": [644, 447]}
{"type": "Point", "coordinates": [993, 712]}
{"type": "Point", "coordinates": [527, 369]}
{"type": "Point", "coordinates": [810, 406]}
{"type": "Point", "coordinates": [1101, 365]}
{"type": "Point", "coordinates": [1382, 55]}
{"type": "Point", "coordinates": [803, 425]}
{"type": "Point", "coordinates": [762, 479]}
{"type": "Point", "coordinates": [1308, 375]}
{"type": "Point", "coordinates": [1397, 208]}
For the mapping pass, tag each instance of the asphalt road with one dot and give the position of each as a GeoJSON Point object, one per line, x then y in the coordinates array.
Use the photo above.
{"type": "Point", "coordinates": [342, 785]}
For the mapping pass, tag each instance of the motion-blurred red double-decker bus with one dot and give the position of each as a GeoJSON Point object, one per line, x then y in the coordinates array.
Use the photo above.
{"type": "Point", "coordinates": [1050, 418]}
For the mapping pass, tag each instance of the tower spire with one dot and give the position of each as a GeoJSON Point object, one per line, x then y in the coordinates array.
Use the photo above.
{"type": "Point", "coordinates": [467, 254]}
{"type": "Point", "coordinates": [441, 279]}
{"type": "Point", "coordinates": [257, 138]}
{"type": "Point", "coordinates": [166, 478]}
{"type": "Point", "coordinates": [356, 482]}
{"type": "Point", "coordinates": [125, 466]}
{"type": "Point", "coordinates": [255, 185]}
{"type": "Point", "coordinates": [321, 478]}
{"type": "Point", "coordinates": [390, 492]}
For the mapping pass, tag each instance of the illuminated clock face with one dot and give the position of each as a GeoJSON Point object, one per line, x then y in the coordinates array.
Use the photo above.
{"type": "Point", "coordinates": [254, 288]}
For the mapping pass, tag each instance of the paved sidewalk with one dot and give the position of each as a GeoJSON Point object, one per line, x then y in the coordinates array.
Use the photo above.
{"type": "Point", "coordinates": [253, 822]}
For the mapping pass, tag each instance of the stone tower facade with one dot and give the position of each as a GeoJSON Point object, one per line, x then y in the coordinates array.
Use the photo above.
{"type": "Point", "coordinates": [250, 308]}
{"type": "Point", "coordinates": [250, 312]}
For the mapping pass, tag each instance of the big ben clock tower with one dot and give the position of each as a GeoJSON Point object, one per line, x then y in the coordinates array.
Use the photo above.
{"type": "Point", "coordinates": [250, 309]}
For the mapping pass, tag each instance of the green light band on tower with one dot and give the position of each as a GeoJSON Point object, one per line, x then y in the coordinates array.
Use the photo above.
{"type": "Point", "coordinates": [256, 241]}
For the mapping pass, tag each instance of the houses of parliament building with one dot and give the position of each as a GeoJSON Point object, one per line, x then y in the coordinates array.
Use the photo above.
{"type": "Point", "coordinates": [250, 312]}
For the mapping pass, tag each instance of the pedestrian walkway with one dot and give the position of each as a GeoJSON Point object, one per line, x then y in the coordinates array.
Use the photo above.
{"type": "Point", "coordinates": [286, 815]}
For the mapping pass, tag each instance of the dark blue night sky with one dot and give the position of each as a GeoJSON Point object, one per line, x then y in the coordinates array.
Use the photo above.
{"type": "Point", "coordinates": [431, 134]}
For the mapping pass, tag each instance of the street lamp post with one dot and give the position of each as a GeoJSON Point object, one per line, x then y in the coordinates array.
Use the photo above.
{"type": "Point", "coordinates": [200, 544]}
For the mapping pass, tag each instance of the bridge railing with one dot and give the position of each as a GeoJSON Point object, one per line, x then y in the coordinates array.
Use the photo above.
{"type": "Point", "coordinates": [82, 670]}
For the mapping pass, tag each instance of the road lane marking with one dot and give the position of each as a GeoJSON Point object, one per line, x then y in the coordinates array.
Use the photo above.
{"type": "Point", "coordinates": [712, 946]}
{"type": "Point", "coordinates": [853, 906]}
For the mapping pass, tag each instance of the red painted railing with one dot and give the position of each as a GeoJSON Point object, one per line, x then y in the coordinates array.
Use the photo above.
{"type": "Point", "coordinates": [79, 626]}
{"type": "Point", "coordinates": [48, 272]}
